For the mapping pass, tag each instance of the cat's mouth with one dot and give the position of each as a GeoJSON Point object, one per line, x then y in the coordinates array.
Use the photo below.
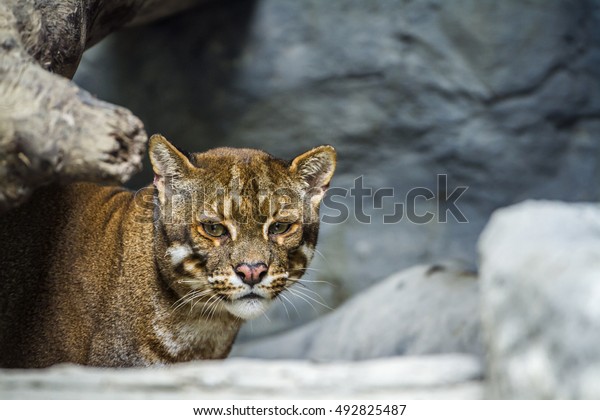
{"type": "Point", "coordinates": [250, 295]}
{"type": "Point", "coordinates": [249, 306]}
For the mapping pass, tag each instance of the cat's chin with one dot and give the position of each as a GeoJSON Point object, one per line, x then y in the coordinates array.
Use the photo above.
{"type": "Point", "coordinates": [248, 308]}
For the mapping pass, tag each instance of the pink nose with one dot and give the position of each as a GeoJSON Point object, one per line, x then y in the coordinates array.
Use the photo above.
{"type": "Point", "coordinates": [251, 274]}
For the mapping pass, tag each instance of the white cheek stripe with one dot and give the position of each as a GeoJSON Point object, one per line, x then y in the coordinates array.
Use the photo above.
{"type": "Point", "coordinates": [308, 252]}
{"type": "Point", "coordinates": [178, 253]}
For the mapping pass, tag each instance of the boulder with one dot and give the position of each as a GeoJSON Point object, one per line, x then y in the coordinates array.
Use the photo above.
{"type": "Point", "coordinates": [540, 288]}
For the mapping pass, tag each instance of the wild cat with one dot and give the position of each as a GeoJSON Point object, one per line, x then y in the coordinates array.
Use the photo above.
{"type": "Point", "coordinates": [102, 276]}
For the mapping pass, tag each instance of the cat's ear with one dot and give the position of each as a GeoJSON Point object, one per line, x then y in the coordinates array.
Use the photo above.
{"type": "Point", "coordinates": [167, 161]}
{"type": "Point", "coordinates": [315, 168]}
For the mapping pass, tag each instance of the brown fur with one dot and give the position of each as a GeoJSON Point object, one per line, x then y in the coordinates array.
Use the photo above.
{"type": "Point", "coordinates": [106, 277]}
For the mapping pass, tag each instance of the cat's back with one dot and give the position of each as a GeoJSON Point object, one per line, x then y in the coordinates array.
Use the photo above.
{"type": "Point", "coordinates": [57, 217]}
{"type": "Point", "coordinates": [48, 248]}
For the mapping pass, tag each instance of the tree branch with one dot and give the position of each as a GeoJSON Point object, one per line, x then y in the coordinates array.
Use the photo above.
{"type": "Point", "coordinates": [50, 129]}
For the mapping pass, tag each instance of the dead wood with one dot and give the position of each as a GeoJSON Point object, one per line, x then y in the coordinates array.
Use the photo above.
{"type": "Point", "coordinates": [50, 129]}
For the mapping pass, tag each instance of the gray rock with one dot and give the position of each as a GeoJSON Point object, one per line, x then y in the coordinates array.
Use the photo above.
{"type": "Point", "coordinates": [500, 96]}
{"type": "Point", "coordinates": [423, 310]}
{"type": "Point", "coordinates": [540, 286]}
{"type": "Point", "coordinates": [440, 377]}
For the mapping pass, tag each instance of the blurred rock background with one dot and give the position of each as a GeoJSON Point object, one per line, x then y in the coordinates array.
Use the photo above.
{"type": "Point", "coordinates": [503, 97]}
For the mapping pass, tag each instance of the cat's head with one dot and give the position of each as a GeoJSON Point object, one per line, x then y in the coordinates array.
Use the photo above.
{"type": "Point", "coordinates": [238, 226]}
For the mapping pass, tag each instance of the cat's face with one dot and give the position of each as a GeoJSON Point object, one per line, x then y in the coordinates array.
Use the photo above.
{"type": "Point", "coordinates": [239, 226]}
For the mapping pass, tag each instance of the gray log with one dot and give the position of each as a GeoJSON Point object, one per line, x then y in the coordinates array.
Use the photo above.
{"type": "Point", "coordinates": [49, 128]}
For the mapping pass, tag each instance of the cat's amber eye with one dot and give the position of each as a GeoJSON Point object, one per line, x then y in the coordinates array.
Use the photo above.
{"type": "Point", "coordinates": [214, 229]}
{"type": "Point", "coordinates": [278, 228]}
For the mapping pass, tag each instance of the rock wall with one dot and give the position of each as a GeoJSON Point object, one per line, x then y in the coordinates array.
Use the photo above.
{"type": "Point", "coordinates": [501, 96]}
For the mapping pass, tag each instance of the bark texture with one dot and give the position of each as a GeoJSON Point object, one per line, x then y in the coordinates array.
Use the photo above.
{"type": "Point", "coordinates": [50, 129]}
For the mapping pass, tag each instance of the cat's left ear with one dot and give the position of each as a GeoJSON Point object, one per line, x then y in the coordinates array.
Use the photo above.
{"type": "Point", "coordinates": [315, 168]}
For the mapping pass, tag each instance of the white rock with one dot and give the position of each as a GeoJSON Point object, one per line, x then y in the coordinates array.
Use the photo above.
{"type": "Point", "coordinates": [540, 281]}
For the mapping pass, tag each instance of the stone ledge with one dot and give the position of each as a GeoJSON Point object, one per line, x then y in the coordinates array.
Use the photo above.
{"type": "Point", "coordinates": [451, 376]}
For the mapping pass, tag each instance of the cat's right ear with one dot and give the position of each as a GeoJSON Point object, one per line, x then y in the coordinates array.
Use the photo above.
{"type": "Point", "coordinates": [168, 164]}
{"type": "Point", "coordinates": [167, 161]}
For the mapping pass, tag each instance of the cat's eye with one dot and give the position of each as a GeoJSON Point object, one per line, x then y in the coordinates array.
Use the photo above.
{"type": "Point", "coordinates": [214, 229]}
{"type": "Point", "coordinates": [278, 228]}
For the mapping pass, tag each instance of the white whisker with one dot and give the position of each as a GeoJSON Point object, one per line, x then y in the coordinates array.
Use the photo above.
{"type": "Point", "coordinates": [281, 295]}
{"type": "Point", "coordinates": [317, 281]}
{"type": "Point", "coordinates": [307, 289]}
{"type": "Point", "coordinates": [293, 292]}
{"type": "Point", "coordinates": [208, 305]}
{"type": "Point", "coordinates": [301, 293]}
{"type": "Point", "coordinates": [321, 254]}
{"type": "Point", "coordinates": [310, 269]}
{"type": "Point", "coordinates": [188, 297]}
{"type": "Point", "coordinates": [198, 301]}
{"type": "Point", "coordinates": [301, 280]}
{"type": "Point", "coordinates": [214, 307]}
{"type": "Point", "coordinates": [286, 309]}
{"type": "Point", "coordinates": [266, 316]}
